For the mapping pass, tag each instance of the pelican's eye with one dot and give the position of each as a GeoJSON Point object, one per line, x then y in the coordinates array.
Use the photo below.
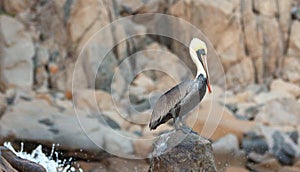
{"type": "Point", "coordinates": [200, 53]}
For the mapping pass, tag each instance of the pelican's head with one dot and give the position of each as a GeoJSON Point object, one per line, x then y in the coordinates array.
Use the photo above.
{"type": "Point", "coordinates": [198, 51]}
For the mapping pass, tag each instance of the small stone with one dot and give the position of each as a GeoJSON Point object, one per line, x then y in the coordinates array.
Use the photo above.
{"type": "Point", "coordinates": [226, 151]}
{"type": "Point", "coordinates": [227, 144]}
{"type": "Point", "coordinates": [254, 143]}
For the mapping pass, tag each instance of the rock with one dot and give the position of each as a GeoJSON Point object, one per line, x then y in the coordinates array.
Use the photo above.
{"type": "Point", "coordinates": [265, 97]}
{"type": "Point", "coordinates": [143, 147]}
{"type": "Point", "coordinates": [266, 8]}
{"type": "Point", "coordinates": [213, 120]}
{"type": "Point", "coordinates": [41, 79]}
{"type": "Point", "coordinates": [130, 6]}
{"type": "Point", "coordinates": [184, 156]}
{"type": "Point", "coordinates": [17, 52]}
{"type": "Point", "coordinates": [248, 110]}
{"type": "Point", "coordinates": [43, 123]}
{"type": "Point", "coordinates": [281, 145]}
{"type": "Point", "coordinates": [284, 8]}
{"type": "Point", "coordinates": [268, 165]}
{"type": "Point", "coordinates": [284, 112]}
{"type": "Point", "coordinates": [227, 144]}
{"type": "Point", "coordinates": [154, 6]}
{"type": "Point", "coordinates": [96, 62]}
{"type": "Point", "coordinates": [253, 39]}
{"type": "Point", "coordinates": [272, 47]}
{"type": "Point", "coordinates": [254, 143]}
{"type": "Point", "coordinates": [42, 56]}
{"type": "Point", "coordinates": [10, 162]}
{"type": "Point", "coordinates": [285, 87]}
{"type": "Point", "coordinates": [294, 43]}
{"type": "Point", "coordinates": [229, 45]}
{"type": "Point", "coordinates": [16, 6]}
{"type": "Point", "coordinates": [99, 103]}
{"type": "Point", "coordinates": [83, 15]}
{"type": "Point", "coordinates": [258, 158]}
{"type": "Point", "coordinates": [144, 81]}
{"type": "Point", "coordinates": [241, 97]}
{"type": "Point", "coordinates": [295, 11]}
{"type": "Point", "coordinates": [261, 40]}
{"type": "Point", "coordinates": [240, 75]}
{"type": "Point", "coordinates": [227, 153]}
{"type": "Point", "coordinates": [3, 104]}
{"type": "Point", "coordinates": [71, 77]}
{"type": "Point", "coordinates": [291, 70]}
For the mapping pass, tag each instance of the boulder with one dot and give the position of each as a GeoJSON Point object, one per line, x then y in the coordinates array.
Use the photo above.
{"type": "Point", "coordinates": [284, 112]}
{"type": "Point", "coordinates": [294, 43]}
{"type": "Point", "coordinates": [193, 153]}
{"type": "Point", "coordinates": [285, 87]}
{"type": "Point", "coordinates": [227, 153]}
{"type": "Point", "coordinates": [17, 51]}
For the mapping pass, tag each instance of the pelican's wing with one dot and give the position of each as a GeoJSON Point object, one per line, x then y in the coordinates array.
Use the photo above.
{"type": "Point", "coordinates": [167, 102]}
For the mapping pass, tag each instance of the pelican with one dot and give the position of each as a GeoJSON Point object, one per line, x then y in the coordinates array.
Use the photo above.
{"type": "Point", "coordinates": [185, 96]}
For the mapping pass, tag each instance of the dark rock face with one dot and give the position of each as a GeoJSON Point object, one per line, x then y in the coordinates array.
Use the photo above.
{"type": "Point", "coordinates": [10, 162]}
{"type": "Point", "coordinates": [193, 153]}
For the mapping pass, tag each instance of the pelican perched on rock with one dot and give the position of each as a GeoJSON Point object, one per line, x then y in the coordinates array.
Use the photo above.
{"type": "Point", "coordinates": [185, 96]}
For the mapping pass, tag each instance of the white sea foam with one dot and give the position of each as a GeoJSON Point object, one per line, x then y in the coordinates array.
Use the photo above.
{"type": "Point", "coordinates": [39, 157]}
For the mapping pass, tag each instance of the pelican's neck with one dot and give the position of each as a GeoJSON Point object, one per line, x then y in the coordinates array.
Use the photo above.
{"type": "Point", "coordinates": [200, 69]}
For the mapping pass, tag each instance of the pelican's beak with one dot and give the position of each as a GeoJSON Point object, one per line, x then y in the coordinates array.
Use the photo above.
{"type": "Point", "coordinates": [207, 78]}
